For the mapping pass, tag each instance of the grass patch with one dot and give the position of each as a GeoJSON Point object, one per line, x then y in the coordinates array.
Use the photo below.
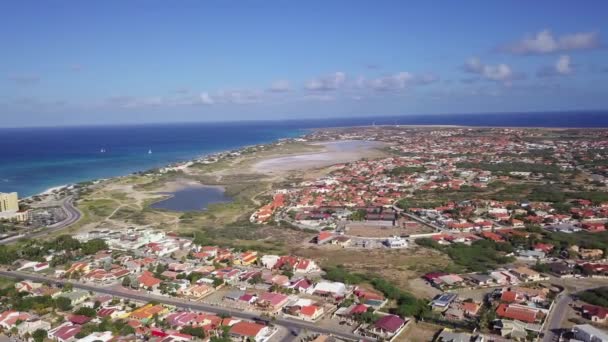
{"type": "Point", "coordinates": [598, 296]}
{"type": "Point", "coordinates": [480, 256]}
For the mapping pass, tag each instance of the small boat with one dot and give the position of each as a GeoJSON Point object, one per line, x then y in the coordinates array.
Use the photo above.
{"type": "Point", "coordinates": [103, 150]}
{"type": "Point", "coordinates": [149, 151]}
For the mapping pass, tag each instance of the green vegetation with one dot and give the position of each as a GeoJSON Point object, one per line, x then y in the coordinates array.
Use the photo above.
{"type": "Point", "coordinates": [405, 170]}
{"type": "Point", "coordinates": [98, 207]}
{"type": "Point", "coordinates": [86, 311]}
{"type": "Point", "coordinates": [39, 335]}
{"type": "Point", "coordinates": [358, 215]}
{"type": "Point", "coordinates": [596, 197]}
{"type": "Point", "coordinates": [246, 237]}
{"type": "Point", "coordinates": [511, 167]}
{"type": "Point", "coordinates": [581, 239]}
{"type": "Point", "coordinates": [367, 317]}
{"type": "Point", "coordinates": [20, 301]}
{"type": "Point", "coordinates": [407, 203]}
{"type": "Point", "coordinates": [117, 327]}
{"type": "Point", "coordinates": [36, 250]}
{"type": "Point", "coordinates": [480, 256]}
{"type": "Point", "coordinates": [196, 332]}
{"type": "Point", "coordinates": [598, 296]}
{"type": "Point", "coordinates": [407, 304]}
{"type": "Point", "coordinates": [6, 283]}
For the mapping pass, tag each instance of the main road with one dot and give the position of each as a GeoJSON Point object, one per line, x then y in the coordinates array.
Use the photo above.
{"type": "Point", "coordinates": [290, 324]}
{"type": "Point", "coordinates": [72, 216]}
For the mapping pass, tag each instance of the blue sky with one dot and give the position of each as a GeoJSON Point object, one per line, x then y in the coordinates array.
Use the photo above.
{"type": "Point", "coordinates": [109, 62]}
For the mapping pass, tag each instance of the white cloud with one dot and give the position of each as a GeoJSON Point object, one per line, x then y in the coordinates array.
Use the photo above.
{"type": "Point", "coordinates": [397, 81]}
{"type": "Point", "coordinates": [319, 97]}
{"type": "Point", "coordinates": [499, 73]}
{"type": "Point", "coordinates": [206, 98]}
{"type": "Point", "coordinates": [327, 83]}
{"type": "Point", "coordinates": [544, 42]}
{"type": "Point", "coordinates": [280, 86]}
{"type": "Point", "coordinates": [562, 67]}
{"type": "Point", "coordinates": [392, 82]}
{"type": "Point", "coordinates": [135, 102]}
{"type": "Point", "coordinates": [238, 96]}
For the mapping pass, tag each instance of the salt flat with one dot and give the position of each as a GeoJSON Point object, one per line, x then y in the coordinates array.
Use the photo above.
{"type": "Point", "coordinates": [334, 152]}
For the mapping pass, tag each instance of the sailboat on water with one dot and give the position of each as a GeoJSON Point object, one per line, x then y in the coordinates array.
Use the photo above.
{"type": "Point", "coordinates": [150, 151]}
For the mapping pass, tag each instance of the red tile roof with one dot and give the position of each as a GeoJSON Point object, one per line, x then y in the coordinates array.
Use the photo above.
{"type": "Point", "coordinates": [390, 323]}
{"type": "Point", "coordinates": [519, 313]}
{"type": "Point", "coordinates": [247, 329]}
{"type": "Point", "coordinates": [79, 319]}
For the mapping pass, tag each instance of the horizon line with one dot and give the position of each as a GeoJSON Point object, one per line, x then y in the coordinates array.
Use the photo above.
{"type": "Point", "coordinates": [133, 124]}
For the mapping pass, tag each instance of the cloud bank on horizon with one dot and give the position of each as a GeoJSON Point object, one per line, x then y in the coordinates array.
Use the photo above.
{"type": "Point", "coordinates": [117, 62]}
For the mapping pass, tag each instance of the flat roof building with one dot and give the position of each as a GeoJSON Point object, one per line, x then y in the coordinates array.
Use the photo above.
{"type": "Point", "coordinates": [589, 333]}
{"type": "Point", "coordinates": [9, 202]}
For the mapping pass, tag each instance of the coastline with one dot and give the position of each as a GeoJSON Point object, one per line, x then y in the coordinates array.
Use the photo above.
{"type": "Point", "coordinates": [287, 137]}
{"type": "Point", "coordinates": [176, 187]}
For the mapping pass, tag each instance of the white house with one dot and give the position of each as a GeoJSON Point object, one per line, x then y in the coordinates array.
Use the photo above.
{"type": "Point", "coordinates": [103, 336]}
{"type": "Point", "coordinates": [269, 260]}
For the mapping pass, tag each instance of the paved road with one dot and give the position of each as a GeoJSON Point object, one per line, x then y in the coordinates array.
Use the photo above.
{"type": "Point", "coordinates": [556, 317]}
{"type": "Point", "coordinates": [183, 304]}
{"type": "Point", "coordinates": [72, 216]}
{"type": "Point", "coordinates": [564, 299]}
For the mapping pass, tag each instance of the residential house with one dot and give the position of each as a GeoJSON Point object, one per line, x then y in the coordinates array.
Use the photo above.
{"type": "Point", "coordinates": [9, 318]}
{"type": "Point", "coordinates": [519, 312]}
{"type": "Point", "coordinates": [311, 312]}
{"type": "Point", "coordinates": [148, 281]}
{"type": "Point", "coordinates": [443, 301]}
{"type": "Point", "coordinates": [559, 269]}
{"type": "Point", "coordinates": [76, 297]}
{"type": "Point", "coordinates": [594, 313]}
{"type": "Point", "coordinates": [386, 327]}
{"type": "Point", "coordinates": [589, 333]}
{"type": "Point", "coordinates": [481, 279]}
{"type": "Point", "coordinates": [342, 241]}
{"type": "Point", "coordinates": [590, 254]}
{"type": "Point", "coordinates": [272, 301]}
{"type": "Point", "coordinates": [32, 324]}
{"type": "Point", "coordinates": [526, 274]}
{"type": "Point", "coordinates": [514, 330]}
{"type": "Point", "coordinates": [324, 237]}
{"type": "Point", "coordinates": [147, 312]}
{"type": "Point", "coordinates": [246, 258]}
{"type": "Point", "coordinates": [544, 247]}
{"type": "Point", "coordinates": [247, 331]}
{"type": "Point", "coordinates": [336, 290]}
{"type": "Point", "coordinates": [471, 309]}
{"type": "Point", "coordinates": [65, 332]}
{"type": "Point", "coordinates": [98, 336]}
{"type": "Point", "coordinates": [197, 291]}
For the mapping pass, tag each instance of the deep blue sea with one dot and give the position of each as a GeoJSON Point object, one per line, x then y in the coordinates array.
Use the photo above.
{"type": "Point", "coordinates": [35, 159]}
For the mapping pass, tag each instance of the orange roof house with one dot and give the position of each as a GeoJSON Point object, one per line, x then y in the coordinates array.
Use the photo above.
{"type": "Point", "coordinates": [148, 311]}
{"type": "Point", "coordinates": [147, 280]}
{"type": "Point", "coordinates": [248, 330]}
{"type": "Point", "coordinates": [518, 312]}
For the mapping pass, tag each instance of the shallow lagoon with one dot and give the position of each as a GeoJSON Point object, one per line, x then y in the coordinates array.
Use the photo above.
{"type": "Point", "coordinates": [193, 198]}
